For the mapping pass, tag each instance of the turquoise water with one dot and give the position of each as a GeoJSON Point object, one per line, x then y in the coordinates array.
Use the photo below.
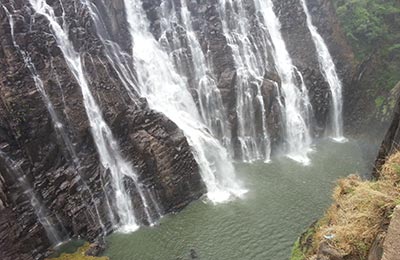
{"type": "Point", "coordinates": [283, 199]}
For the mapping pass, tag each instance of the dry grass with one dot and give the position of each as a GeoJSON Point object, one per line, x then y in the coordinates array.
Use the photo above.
{"type": "Point", "coordinates": [359, 210]}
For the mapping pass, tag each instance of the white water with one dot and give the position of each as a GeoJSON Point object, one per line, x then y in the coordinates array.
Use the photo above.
{"type": "Point", "coordinates": [191, 63]}
{"type": "Point", "coordinates": [328, 69]}
{"type": "Point", "coordinates": [251, 63]}
{"type": "Point", "coordinates": [107, 146]}
{"type": "Point", "coordinates": [40, 86]}
{"type": "Point", "coordinates": [297, 104]}
{"type": "Point", "coordinates": [56, 237]}
{"type": "Point", "coordinates": [167, 92]}
{"type": "Point", "coordinates": [212, 109]}
{"type": "Point", "coordinates": [57, 123]}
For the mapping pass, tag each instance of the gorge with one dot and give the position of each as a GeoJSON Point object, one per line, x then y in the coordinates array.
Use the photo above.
{"type": "Point", "coordinates": [116, 114]}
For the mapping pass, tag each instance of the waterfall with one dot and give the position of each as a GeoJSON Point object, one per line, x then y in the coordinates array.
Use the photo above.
{"type": "Point", "coordinates": [251, 64]}
{"type": "Point", "coordinates": [167, 92]}
{"type": "Point", "coordinates": [212, 109]}
{"type": "Point", "coordinates": [55, 236]}
{"type": "Point", "coordinates": [297, 107]}
{"type": "Point", "coordinates": [107, 146]}
{"type": "Point", "coordinates": [57, 123]}
{"type": "Point", "coordinates": [328, 69]}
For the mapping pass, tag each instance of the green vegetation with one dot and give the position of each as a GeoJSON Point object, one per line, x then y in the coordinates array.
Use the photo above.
{"type": "Point", "coordinates": [297, 254]}
{"type": "Point", "coordinates": [303, 245]}
{"type": "Point", "coordinates": [372, 28]}
{"type": "Point", "coordinates": [80, 254]}
{"type": "Point", "coordinates": [369, 23]}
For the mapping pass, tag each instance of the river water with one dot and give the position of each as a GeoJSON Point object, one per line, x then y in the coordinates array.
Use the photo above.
{"type": "Point", "coordinates": [284, 198]}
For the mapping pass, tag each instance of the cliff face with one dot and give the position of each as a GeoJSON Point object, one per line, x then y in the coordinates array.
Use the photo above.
{"type": "Point", "coordinates": [75, 190]}
{"type": "Point", "coordinates": [68, 178]}
{"type": "Point", "coordinates": [209, 29]}
{"type": "Point", "coordinates": [391, 141]}
{"type": "Point", "coordinates": [371, 90]}
{"type": "Point", "coordinates": [302, 49]}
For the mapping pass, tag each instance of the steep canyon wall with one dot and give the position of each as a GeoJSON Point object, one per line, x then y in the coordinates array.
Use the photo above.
{"type": "Point", "coordinates": [60, 162]}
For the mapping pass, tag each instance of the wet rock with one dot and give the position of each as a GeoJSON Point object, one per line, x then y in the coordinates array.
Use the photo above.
{"type": "Point", "coordinates": [14, 247]}
{"type": "Point", "coordinates": [376, 251]}
{"type": "Point", "coordinates": [391, 246]}
{"type": "Point", "coordinates": [328, 253]}
{"type": "Point", "coordinates": [96, 248]}
{"type": "Point", "coordinates": [391, 141]}
{"type": "Point", "coordinates": [193, 254]}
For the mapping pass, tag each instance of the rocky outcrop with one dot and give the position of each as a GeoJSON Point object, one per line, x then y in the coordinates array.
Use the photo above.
{"type": "Point", "coordinates": [391, 246]}
{"type": "Point", "coordinates": [391, 141]}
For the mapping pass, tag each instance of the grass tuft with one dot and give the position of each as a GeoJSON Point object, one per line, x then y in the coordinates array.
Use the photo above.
{"type": "Point", "coordinates": [359, 212]}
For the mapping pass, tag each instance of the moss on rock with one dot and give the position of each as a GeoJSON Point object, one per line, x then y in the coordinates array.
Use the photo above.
{"type": "Point", "coordinates": [80, 254]}
{"type": "Point", "coordinates": [297, 253]}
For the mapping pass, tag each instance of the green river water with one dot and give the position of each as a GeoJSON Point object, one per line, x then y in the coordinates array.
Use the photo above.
{"type": "Point", "coordinates": [283, 199]}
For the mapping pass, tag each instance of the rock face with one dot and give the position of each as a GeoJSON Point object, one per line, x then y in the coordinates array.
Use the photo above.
{"type": "Point", "coordinates": [391, 141]}
{"type": "Point", "coordinates": [391, 246]}
{"type": "Point", "coordinates": [75, 191]}
{"type": "Point", "coordinates": [208, 27]}
{"type": "Point", "coordinates": [59, 162]}
{"type": "Point", "coordinates": [303, 52]}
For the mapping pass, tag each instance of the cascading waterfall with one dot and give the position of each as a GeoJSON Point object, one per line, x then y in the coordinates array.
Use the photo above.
{"type": "Point", "coordinates": [57, 123]}
{"type": "Point", "coordinates": [55, 236]}
{"type": "Point", "coordinates": [251, 64]}
{"type": "Point", "coordinates": [328, 69]}
{"type": "Point", "coordinates": [211, 106]}
{"type": "Point", "coordinates": [107, 146]}
{"type": "Point", "coordinates": [119, 60]}
{"type": "Point", "coordinates": [167, 92]}
{"type": "Point", "coordinates": [297, 104]}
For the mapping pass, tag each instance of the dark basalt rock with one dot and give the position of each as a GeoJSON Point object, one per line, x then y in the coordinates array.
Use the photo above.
{"type": "Point", "coordinates": [209, 30]}
{"type": "Point", "coordinates": [13, 245]}
{"type": "Point", "coordinates": [302, 50]}
{"type": "Point", "coordinates": [69, 189]}
{"type": "Point", "coordinates": [193, 254]}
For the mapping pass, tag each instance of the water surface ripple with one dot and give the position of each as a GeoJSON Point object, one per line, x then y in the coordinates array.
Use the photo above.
{"type": "Point", "coordinates": [284, 197]}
